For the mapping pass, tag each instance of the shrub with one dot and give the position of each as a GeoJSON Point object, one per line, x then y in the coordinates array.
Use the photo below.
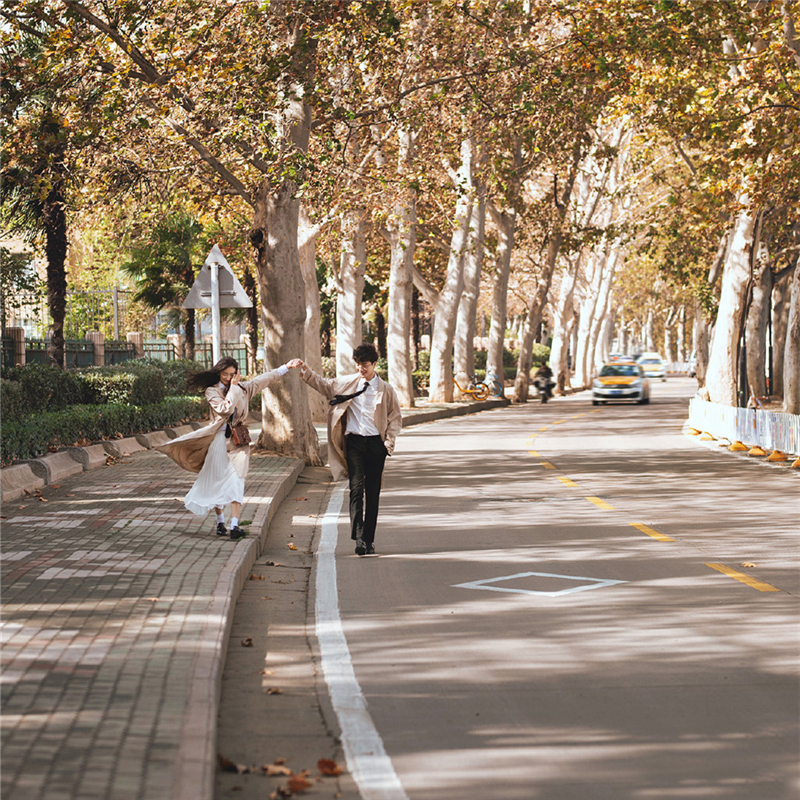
{"type": "Point", "coordinates": [37, 434]}
{"type": "Point", "coordinates": [328, 367]}
{"type": "Point", "coordinates": [13, 400]}
{"type": "Point", "coordinates": [541, 353]}
{"type": "Point", "coordinates": [176, 373]}
{"type": "Point", "coordinates": [48, 388]}
{"type": "Point", "coordinates": [137, 384]}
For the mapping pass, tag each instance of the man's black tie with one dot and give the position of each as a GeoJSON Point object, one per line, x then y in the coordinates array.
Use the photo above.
{"type": "Point", "coordinates": [343, 398]}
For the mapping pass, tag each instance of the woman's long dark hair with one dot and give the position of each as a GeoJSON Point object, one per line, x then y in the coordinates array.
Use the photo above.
{"type": "Point", "coordinates": [202, 380]}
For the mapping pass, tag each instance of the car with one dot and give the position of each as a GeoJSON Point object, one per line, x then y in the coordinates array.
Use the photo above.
{"type": "Point", "coordinates": [621, 381]}
{"type": "Point", "coordinates": [653, 365]}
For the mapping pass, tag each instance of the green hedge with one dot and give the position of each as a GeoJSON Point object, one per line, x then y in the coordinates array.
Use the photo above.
{"type": "Point", "coordinates": [40, 433]}
{"type": "Point", "coordinates": [46, 388]}
{"type": "Point", "coordinates": [136, 384]}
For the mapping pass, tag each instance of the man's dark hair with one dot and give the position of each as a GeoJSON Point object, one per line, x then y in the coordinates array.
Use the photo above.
{"type": "Point", "coordinates": [365, 352]}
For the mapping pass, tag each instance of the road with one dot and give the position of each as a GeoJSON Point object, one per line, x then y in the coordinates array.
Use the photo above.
{"type": "Point", "coordinates": [568, 602]}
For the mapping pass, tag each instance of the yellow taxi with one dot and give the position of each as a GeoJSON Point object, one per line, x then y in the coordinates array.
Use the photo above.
{"type": "Point", "coordinates": [621, 381]}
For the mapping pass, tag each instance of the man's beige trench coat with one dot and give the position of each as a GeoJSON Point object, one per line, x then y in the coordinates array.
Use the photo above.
{"type": "Point", "coordinates": [189, 451]}
{"type": "Point", "coordinates": [388, 419]}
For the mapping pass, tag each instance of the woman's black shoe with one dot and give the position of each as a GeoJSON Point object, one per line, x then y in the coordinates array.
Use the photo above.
{"type": "Point", "coordinates": [221, 529]}
{"type": "Point", "coordinates": [237, 533]}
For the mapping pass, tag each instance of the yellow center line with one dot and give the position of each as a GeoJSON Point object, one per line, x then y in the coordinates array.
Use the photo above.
{"type": "Point", "coordinates": [650, 532]}
{"type": "Point", "coordinates": [741, 577]}
{"type": "Point", "coordinates": [547, 465]}
{"type": "Point", "coordinates": [566, 481]}
{"type": "Point", "coordinates": [583, 414]}
{"type": "Point", "coordinates": [559, 422]}
{"type": "Point", "coordinates": [601, 503]}
{"type": "Point", "coordinates": [534, 453]}
{"type": "Point", "coordinates": [545, 428]}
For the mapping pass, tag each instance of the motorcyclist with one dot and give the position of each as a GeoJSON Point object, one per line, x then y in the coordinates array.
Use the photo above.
{"type": "Point", "coordinates": [544, 382]}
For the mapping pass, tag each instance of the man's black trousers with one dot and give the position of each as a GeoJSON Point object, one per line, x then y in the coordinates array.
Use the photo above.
{"type": "Point", "coordinates": [365, 458]}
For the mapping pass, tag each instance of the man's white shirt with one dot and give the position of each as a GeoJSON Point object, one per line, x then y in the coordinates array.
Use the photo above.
{"type": "Point", "coordinates": [361, 411]}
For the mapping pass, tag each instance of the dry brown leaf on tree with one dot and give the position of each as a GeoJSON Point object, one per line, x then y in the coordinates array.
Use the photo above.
{"type": "Point", "coordinates": [328, 767]}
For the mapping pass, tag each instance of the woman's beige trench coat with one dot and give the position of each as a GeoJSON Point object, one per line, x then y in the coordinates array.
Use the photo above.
{"type": "Point", "coordinates": [189, 451]}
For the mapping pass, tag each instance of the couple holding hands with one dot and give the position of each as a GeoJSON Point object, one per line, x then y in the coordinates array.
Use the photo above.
{"type": "Point", "coordinates": [363, 422]}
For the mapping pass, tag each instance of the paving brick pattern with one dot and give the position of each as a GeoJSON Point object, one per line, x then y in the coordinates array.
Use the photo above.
{"type": "Point", "coordinates": [107, 596]}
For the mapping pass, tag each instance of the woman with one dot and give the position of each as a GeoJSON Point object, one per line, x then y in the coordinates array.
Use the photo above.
{"type": "Point", "coordinates": [211, 451]}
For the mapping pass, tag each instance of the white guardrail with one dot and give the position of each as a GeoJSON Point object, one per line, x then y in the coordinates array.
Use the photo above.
{"type": "Point", "coordinates": [751, 426]}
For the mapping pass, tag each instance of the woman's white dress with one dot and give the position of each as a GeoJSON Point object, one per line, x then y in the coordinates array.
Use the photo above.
{"type": "Point", "coordinates": [218, 482]}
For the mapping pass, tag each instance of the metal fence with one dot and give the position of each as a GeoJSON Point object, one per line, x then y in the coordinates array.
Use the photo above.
{"type": "Point", "coordinates": [203, 354]}
{"type": "Point", "coordinates": [161, 351]}
{"type": "Point", "coordinates": [751, 426]}
{"type": "Point", "coordinates": [77, 352]}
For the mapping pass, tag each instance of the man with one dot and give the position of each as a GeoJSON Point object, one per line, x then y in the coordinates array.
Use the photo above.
{"type": "Point", "coordinates": [363, 422]}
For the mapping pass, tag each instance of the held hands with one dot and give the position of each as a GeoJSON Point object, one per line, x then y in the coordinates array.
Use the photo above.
{"type": "Point", "coordinates": [296, 363]}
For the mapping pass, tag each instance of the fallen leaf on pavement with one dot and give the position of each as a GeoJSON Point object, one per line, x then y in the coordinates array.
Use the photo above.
{"type": "Point", "coordinates": [21, 507]}
{"type": "Point", "coordinates": [749, 564]}
{"type": "Point", "coordinates": [328, 767]}
{"type": "Point", "coordinates": [275, 769]}
{"type": "Point", "coordinates": [299, 783]}
{"type": "Point", "coordinates": [55, 486]}
{"type": "Point", "coordinates": [248, 642]}
{"type": "Point", "coordinates": [292, 546]}
{"type": "Point", "coordinates": [274, 690]}
{"type": "Point", "coordinates": [226, 765]}
{"type": "Point", "coordinates": [266, 597]}
{"type": "Point", "coordinates": [298, 499]}
{"type": "Point", "coordinates": [255, 577]}
{"type": "Point", "coordinates": [42, 499]}
{"type": "Point", "coordinates": [280, 760]}
{"type": "Point", "coordinates": [267, 672]}
{"type": "Point", "coordinates": [3, 517]}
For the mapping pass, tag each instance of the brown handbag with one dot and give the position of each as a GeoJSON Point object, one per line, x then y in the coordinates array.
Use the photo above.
{"type": "Point", "coordinates": [240, 434]}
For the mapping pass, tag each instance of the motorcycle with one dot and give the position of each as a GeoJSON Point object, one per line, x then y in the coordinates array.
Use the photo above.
{"type": "Point", "coordinates": [544, 386]}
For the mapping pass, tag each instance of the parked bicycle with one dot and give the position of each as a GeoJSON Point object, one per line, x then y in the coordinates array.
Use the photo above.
{"type": "Point", "coordinates": [496, 388]}
{"type": "Point", "coordinates": [476, 389]}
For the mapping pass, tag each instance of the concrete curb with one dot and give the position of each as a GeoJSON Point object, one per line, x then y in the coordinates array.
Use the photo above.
{"type": "Point", "coordinates": [153, 439]}
{"type": "Point", "coordinates": [55, 466]}
{"type": "Point", "coordinates": [19, 479]}
{"type": "Point", "coordinates": [90, 457]}
{"type": "Point", "coordinates": [196, 770]}
{"type": "Point", "coordinates": [417, 416]}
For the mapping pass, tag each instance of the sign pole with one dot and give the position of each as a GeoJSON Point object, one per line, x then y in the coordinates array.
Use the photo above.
{"type": "Point", "coordinates": [215, 324]}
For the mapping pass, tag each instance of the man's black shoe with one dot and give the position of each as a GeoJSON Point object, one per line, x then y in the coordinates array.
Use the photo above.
{"type": "Point", "coordinates": [221, 529]}
{"type": "Point", "coordinates": [237, 533]}
{"type": "Point", "coordinates": [361, 547]}
{"type": "Point", "coordinates": [370, 549]}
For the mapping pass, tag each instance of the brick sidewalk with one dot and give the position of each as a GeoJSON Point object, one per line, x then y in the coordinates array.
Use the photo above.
{"type": "Point", "coordinates": [116, 605]}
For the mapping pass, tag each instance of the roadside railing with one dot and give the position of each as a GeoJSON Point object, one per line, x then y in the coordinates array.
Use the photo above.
{"type": "Point", "coordinates": [751, 426]}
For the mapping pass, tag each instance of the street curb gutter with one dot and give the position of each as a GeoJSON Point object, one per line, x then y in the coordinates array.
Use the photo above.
{"type": "Point", "coordinates": [196, 760]}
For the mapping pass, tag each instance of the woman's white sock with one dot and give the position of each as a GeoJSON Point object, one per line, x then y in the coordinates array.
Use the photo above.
{"type": "Point", "coordinates": [220, 517]}
{"type": "Point", "coordinates": [234, 521]}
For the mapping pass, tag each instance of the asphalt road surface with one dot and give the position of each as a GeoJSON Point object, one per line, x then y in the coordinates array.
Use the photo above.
{"type": "Point", "coordinates": [568, 603]}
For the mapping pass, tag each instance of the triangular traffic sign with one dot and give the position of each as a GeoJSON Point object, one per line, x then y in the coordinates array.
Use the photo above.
{"type": "Point", "coordinates": [231, 292]}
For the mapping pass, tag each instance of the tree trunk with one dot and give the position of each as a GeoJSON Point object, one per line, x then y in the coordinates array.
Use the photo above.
{"type": "Point", "coordinates": [506, 222]}
{"type": "Point", "coordinates": [402, 236]}
{"type": "Point", "coordinates": [781, 296]}
{"type": "Point", "coordinates": [189, 336]}
{"type": "Point", "coordinates": [250, 321]}
{"type": "Point", "coordinates": [564, 317]}
{"type": "Point", "coordinates": [649, 332]}
{"type": "Point", "coordinates": [584, 351]}
{"type": "Point", "coordinates": [441, 386]}
{"type": "Point", "coordinates": [597, 352]}
{"type": "Point", "coordinates": [533, 321]}
{"type": "Point", "coordinates": [681, 335]}
{"type": "Point", "coordinates": [312, 355]}
{"type": "Point", "coordinates": [55, 225]}
{"type": "Point", "coordinates": [757, 332]}
{"type": "Point", "coordinates": [723, 366]}
{"type": "Point", "coordinates": [350, 289]}
{"type": "Point", "coordinates": [464, 349]}
{"type": "Point", "coordinates": [380, 332]}
{"type": "Point", "coordinates": [701, 344]}
{"type": "Point", "coordinates": [791, 359]}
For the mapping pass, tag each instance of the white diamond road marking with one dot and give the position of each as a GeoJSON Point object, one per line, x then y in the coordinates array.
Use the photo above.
{"type": "Point", "coordinates": [594, 583]}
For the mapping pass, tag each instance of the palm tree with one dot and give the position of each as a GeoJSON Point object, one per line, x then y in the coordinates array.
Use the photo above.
{"type": "Point", "coordinates": [165, 266]}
